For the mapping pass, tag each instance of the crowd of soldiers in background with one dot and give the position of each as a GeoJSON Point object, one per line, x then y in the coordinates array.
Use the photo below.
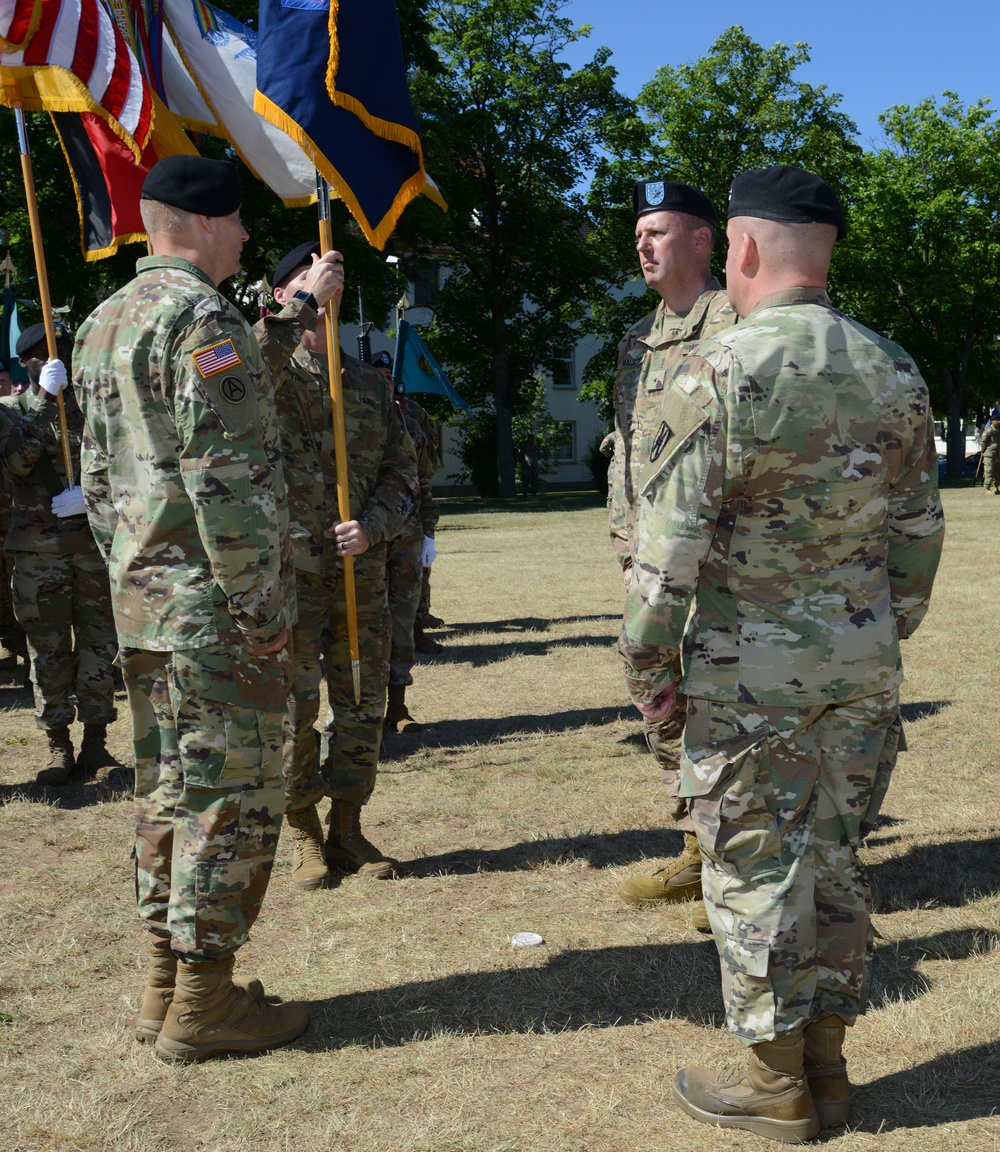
{"type": "Point", "coordinates": [56, 625]}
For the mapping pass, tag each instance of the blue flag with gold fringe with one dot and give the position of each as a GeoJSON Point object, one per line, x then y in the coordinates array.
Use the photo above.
{"type": "Point", "coordinates": [418, 370]}
{"type": "Point", "coordinates": [330, 73]}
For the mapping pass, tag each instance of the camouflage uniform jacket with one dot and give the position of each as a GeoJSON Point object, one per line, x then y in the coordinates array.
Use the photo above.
{"type": "Point", "coordinates": [989, 442]}
{"type": "Point", "coordinates": [791, 492]}
{"type": "Point", "coordinates": [381, 459]}
{"type": "Point", "coordinates": [427, 444]}
{"type": "Point", "coordinates": [648, 356]}
{"type": "Point", "coordinates": [31, 457]}
{"type": "Point", "coordinates": [181, 471]}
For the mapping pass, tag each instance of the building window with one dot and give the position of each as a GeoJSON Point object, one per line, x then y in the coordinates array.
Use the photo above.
{"type": "Point", "coordinates": [425, 285]}
{"type": "Point", "coordinates": [562, 373]}
{"type": "Point", "coordinates": [565, 442]}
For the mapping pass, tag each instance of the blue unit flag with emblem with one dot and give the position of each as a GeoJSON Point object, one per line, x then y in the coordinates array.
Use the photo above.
{"type": "Point", "coordinates": [418, 369]}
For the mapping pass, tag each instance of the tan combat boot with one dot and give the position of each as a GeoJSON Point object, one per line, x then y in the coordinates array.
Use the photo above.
{"type": "Point", "coordinates": [94, 754]}
{"type": "Point", "coordinates": [826, 1070]}
{"type": "Point", "coordinates": [61, 764]}
{"type": "Point", "coordinates": [765, 1092]}
{"type": "Point", "coordinates": [431, 621]}
{"type": "Point", "coordinates": [209, 1015]}
{"type": "Point", "coordinates": [699, 917]}
{"type": "Point", "coordinates": [349, 851]}
{"type": "Point", "coordinates": [161, 973]}
{"type": "Point", "coordinates": [309, 870]}
{"type": "Point", "coordinates": [397, 716]}
{"type": "Point", "coordinates": [678, 880]}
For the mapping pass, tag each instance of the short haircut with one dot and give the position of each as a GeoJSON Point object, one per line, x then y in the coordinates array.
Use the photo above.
{"type": "Point", "coordinates": [164, 218]}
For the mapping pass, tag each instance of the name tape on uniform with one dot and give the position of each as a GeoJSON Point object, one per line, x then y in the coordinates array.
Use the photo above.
{"type": "Point", "coordinates": [216, 358]}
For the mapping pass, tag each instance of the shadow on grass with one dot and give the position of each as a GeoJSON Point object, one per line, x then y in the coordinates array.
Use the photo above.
{"type": "Point", "coordinates": [895, 966]}
{"type": "Point", "coordinates": [601, 988]}
{"type": "Point", "coordinates": [920, 710]}
{"type": "Point", "coordinates": [957, 1086]}
{"type": "Point", "coordinates": [599, 850]}
{"type": "Point", "coordinates": [461, 733]}
{"type": "Point", "coordinates": [481, 654]}
{"type": "Point", "coordinates": [80, 792]}
{"type": "Point", "coordinates": [525, 623]}
{"type": "Point", "coordinates": [931, 875]}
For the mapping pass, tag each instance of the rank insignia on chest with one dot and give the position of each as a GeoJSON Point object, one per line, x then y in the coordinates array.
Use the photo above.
{"type": "Point", "coordinates": [216, 358]}
{"type": "Point", "coordinates": [662, 436]}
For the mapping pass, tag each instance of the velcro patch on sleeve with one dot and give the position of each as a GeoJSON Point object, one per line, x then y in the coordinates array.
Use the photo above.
{"type": "Point", "coordinates": [216, 358]}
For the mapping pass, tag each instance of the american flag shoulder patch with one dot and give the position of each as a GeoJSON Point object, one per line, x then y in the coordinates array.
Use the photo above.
{"type": "Point", "coordinates": [216, 358]}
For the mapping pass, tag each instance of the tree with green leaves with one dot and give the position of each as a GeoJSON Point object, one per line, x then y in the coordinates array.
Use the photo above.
{"type": "Point", "coordinates": [738, 107]}
{"type": "Point", "coordinates": [924, 250]}
{"type": "Point", "coordinates": [510, 132]}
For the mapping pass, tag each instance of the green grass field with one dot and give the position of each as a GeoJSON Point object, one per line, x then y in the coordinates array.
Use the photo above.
{"type": "Point", "coordinates": [527, 801]}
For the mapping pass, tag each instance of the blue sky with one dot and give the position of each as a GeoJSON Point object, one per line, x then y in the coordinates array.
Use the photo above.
{"type": "Point", "coordinates": [875, 54]}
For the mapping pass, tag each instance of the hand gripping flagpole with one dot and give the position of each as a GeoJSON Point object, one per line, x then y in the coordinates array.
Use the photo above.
{"type": "Point", "coordinates": [339, 435]}
{"type": "Point", "coordinates": [43, 281]}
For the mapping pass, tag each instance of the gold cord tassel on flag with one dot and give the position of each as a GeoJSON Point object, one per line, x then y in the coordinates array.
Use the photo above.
{"type": "Point", "coordinates": [43, 281]}
{"type": "Point", "coordinates": [339, 436]}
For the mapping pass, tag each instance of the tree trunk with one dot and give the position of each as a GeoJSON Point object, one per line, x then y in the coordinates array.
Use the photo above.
{"type": "Point", "coordinates": [953, 390]}
{"type": "Point", "coordinates": [506, 480]}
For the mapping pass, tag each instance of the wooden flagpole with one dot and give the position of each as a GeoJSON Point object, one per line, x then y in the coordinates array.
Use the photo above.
{"type": "Point", "coordinates": [339, 436]}
{"type": "Point", "coordinates": [43, 281]}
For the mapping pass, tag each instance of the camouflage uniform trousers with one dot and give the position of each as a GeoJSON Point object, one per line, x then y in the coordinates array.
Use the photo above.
{"type": "Point", "coordinates": [11, 633]}
{"type": "Point", "coordinates": [781, 799]}
{"type": "Point", "coordinates": [206, 727]}
{"type": "Point", "coordinates": [63, 602]}
{"type": "Point", "coordinates": [352, 736]}
{"type": "Point", "coordinates": [404, 574]}
{"type": "Point", "coordinates": [424, 607]}
{"type": "Point", "coordinates": [991, 468]}
{"type": "Point", "coordinates": [663, 739]}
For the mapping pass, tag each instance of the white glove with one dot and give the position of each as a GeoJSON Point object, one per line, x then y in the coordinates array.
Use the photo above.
{"type": "Point", "coordinates": [70, 502]}
{"type": "Point", "coordinates": [428, 552]}
{"type": "Point", "coordinates": [53, 377]}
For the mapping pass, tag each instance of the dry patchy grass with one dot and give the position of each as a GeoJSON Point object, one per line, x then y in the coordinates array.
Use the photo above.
{"type": "Point", "coordinates": [526, 803]}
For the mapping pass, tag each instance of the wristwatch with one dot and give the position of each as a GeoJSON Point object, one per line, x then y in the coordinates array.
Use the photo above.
{"type": "Point", "coordinates": [307, 298]}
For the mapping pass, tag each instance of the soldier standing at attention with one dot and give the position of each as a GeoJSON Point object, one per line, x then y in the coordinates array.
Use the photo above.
{"type": "Point", "coordinates": [989, 445]}
{"type": "Point", "coordinates": [405, 573]}
{"type": "Point", "coordinates": [186, 498]}
{"type": "Point", "coordinates": [59, 582]}
{"type": "Point", "coordinates": [383, 482]}
{"type": "Point", "coordinates": [674, 232]}
{"type": "Point", "coordinates": [796, 506]}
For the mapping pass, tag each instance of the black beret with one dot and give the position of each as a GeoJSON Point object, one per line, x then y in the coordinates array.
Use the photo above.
{"type": "Point", "coordinates": [36, 335]}
{"type": "Point", "coordinates": [297, 258]}
{"type": "Point", "coordinates": [670, 196]}
{"type": "Point", "coordinates": [195, 184]}
{"type": "Point", "coordinates": [791, 195]}
{"type": "Point", "coordinates": [383, 360]}
{"type": "Point", "coordinates": [995, 414]}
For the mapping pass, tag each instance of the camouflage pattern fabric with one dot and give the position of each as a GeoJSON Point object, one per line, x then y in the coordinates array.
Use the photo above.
{"type": "Point", "coordinates": [424, 604]}
{"type": "Point", "coordinates": [404, 578]}
{"type": "Point", "coordinates": [794, 500]}
{"type": "Point", "coordinates": [58, 590]}
{"type": "Point", "coordinates": [11, 633]}
{"type": "Point", "coordinates": [182, 474]}
{"type": "Point", "coordinates": [206, 726]}
{"type": "Point", "coordinates": [989, 445]}
{"type": "Point", "coordinates": [351, 738]}
{"type": "Point", "coordinates": [352, 734]}
{"type": "Point", "coordinates": [791, 494]}
{"type": "Point", "coordinates": [186, 497]}
{"type": "Point", "coordinates": [648, 355]}
{"type": "Point", "coordinates": [781, 799]}
{"type": "Point", "coordinates": [383, 486]}
{"type": "Point", "coordinates": [64, 605]}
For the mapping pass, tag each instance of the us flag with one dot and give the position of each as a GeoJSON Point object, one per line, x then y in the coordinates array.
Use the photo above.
{"type": "Point", "coordinates": [216, 358]}
{"type": "Point", "coordinates": [69, 56]}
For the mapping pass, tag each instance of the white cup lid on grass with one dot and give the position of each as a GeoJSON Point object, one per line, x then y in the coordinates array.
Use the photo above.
{"type": "Point", "coordinates": [526, 939]}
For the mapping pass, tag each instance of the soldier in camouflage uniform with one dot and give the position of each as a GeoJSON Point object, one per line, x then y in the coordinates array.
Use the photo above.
{"type": "Point", "coordinates": [430, 514]}
{"type": "Point", "coordinates": [795, 504]}
{"type": "Point", "coordinates": [12, 638]}
{"type": "Point", "coordinates": [404, 572]}
{"type": "Point", "coordinates": [989, 445]}
{"type": "Point", "coordinates": [382, 472]}
{"type": "Point", "coordinates": [186, 498]}
{"type": "Point", "coordinates": [59, 584]}
{"type": "Point", "coordinates": [674, 230]}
